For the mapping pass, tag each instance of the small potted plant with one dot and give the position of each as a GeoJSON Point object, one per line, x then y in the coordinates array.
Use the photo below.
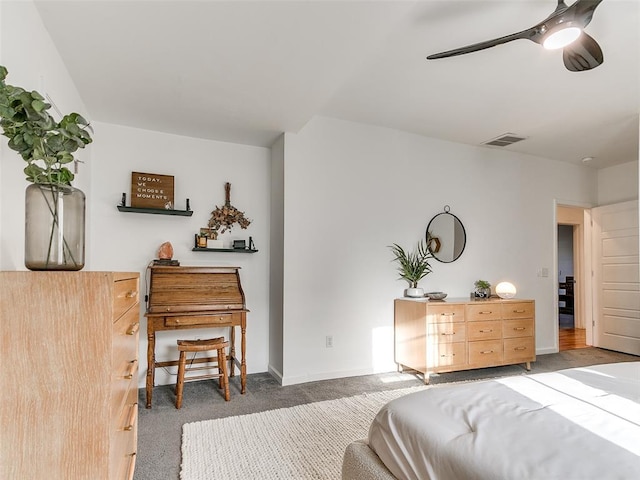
{"type": "Point", "coordinates": [483, 289]}
{"type": "Point", "coordinates": [414, 266]}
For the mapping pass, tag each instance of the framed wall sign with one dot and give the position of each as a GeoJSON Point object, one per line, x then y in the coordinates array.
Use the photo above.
{"type": "Point", "coordinates": [150, 190]}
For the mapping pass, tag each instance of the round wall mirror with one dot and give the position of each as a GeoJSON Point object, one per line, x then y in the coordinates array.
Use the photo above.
{"type": "Point", "coordinates": [446, 237]}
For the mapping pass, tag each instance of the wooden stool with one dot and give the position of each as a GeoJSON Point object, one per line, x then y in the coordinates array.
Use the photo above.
{"type": "Point", "coordinates": [218, 344]}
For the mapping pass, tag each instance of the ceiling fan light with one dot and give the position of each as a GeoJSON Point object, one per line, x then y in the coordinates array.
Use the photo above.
{"type": "Point", "coordinates": [561, 38]}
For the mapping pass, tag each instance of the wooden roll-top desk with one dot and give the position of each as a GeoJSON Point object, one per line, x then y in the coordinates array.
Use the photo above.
{"type": "Point", "coordinates": [195, 297]}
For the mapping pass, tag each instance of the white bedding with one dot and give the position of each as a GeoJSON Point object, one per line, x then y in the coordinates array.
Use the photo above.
{"type": "Point", "coordinates": [580, 423]}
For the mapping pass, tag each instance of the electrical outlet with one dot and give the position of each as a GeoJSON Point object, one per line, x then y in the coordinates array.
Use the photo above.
{"type": "Point", "coordinates": [328, 341]}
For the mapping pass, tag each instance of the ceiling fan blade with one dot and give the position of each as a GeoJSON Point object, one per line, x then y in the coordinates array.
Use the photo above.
{"type": "Point", "coordinates": [482, 45]}
{"type": "Point", "coordinates": [583, 54]}
{"type": "Point", "coordinates": [582, 11]}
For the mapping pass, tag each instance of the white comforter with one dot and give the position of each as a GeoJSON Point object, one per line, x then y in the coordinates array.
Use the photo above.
{"type": "Point", "coordinates": [580, 423]}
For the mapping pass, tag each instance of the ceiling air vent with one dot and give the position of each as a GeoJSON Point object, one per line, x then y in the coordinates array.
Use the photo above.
{"type": "Point", "coordinates": [504, 140]}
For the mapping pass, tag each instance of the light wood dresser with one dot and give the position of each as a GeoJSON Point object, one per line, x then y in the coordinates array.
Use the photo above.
{"type": "Point", "coordinates": [458, 334]}
{"type": "Point", "coordinates": [69, 375]}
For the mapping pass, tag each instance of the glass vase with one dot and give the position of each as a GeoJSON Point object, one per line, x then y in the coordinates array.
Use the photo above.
{"type": "Point", "coordinates": [54, 227]}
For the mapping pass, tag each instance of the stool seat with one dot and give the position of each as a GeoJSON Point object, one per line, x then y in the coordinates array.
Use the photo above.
{"type": "Point", "coordinates": [193, 346]}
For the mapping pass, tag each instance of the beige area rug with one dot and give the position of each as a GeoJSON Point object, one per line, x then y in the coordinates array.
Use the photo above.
{"type": "Point", "coordinates": [302, 442]}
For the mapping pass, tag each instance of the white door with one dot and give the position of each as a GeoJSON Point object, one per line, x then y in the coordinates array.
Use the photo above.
{"type": "Point", "coordinates": [616, 296]}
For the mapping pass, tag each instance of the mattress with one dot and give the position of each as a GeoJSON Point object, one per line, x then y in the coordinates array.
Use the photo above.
{"type": "Point", "coordinates": [579, 423]}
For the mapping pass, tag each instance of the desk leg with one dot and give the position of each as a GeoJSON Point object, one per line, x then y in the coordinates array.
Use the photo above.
{"type": "Point", "coordinates": [243, 363]}
{"type": "Point", "coordinates": [151, 363]}
{"type": "Point", "coordinates": [232, 351]}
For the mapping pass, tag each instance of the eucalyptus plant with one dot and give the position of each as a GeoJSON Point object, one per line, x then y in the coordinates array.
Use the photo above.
{"type": "Point", "coordinates": [46, 145]}
{"type": "Point", "coordinates": [414, 266]}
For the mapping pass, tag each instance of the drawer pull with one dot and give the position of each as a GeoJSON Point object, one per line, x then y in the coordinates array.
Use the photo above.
{"type": "Point", "coordinates": [133, 328]}
{"type": "Point", "coordinates": [132, 466]}
{"type": "Point", "coordinates": [131, 294]}
{"type": "Point", "coordinates": [486, 313]}
{"type": "Point", "coordinates": [445, 356]}
{"type": "Point", "coordinates": [445, 314]}
{"type": "Point", "coordinates": [520, 348]}
{"type": "Point", "coordinates": [518, 311]}
{"type": "Point", "coordinates": [486, 331]}
{"type": "Point", "coordinates": [131, 419]}
{"type": "Point", "coordinates": [519, 328]}
{"type": "Point", "coordinates": [446, 333]}
{"type": "Point", "coordinates": [486, 351]}
{"type": "Point", "coordinates": [133, 365]}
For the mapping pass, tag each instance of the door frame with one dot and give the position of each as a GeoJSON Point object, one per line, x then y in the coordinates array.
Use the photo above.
{"type": "Point", "coordinates": [583, 301]}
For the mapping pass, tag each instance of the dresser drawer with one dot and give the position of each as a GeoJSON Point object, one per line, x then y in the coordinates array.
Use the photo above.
{"type": "Point", "coordinates": [216, 319]}
{"type": "Point", "coordinates": [447, 355]}
{"type": "Point", "coordinates": [446, 332]}
{"type": "Point", "coordinates": [126, 295]}
{"type": "Point", "coordinates": [485, 330]}
{"type": "Point", "coordinates": [124, 438]}
{"type": "Point", "coordinates": [518, 310]}
{"type": "Point", "coordinates": [485, 352]}
{"type": "Point", "coordinates": [517, 328]}
{"type": "Point", "coordinates": [445, 313]}
{"type": "Point", "coordinates": [519, 349]}
{"type": "Point", "coordinates": [125, 337]}
{"type": "Point", "coordinates": [483, 311]}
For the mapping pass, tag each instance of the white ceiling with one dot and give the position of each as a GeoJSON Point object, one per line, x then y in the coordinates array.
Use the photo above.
{"type": "Point", "coordinates": [244, 72]}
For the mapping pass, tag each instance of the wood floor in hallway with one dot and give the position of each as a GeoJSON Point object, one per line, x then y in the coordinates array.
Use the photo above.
{"type": "Point", "coordinates": [572, 338]}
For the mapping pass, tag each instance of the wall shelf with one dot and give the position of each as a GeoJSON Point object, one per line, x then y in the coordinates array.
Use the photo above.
{"type": "Point", "coordinates": [227, 250]}
{"type": "Point", "coordinates": [156, 211]}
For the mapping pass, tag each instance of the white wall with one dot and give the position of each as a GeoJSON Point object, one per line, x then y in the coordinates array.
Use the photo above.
{"type": "Point", "coordinates": [276, 292]}
{"type": "Point", "coordinates": [129, 241]}
{"type": "Point", "coordinates": [352, 190]}
{"type": "Point", "coordinates": [33, 65]}
{"type": "Point", "coordinates": [618, 184]}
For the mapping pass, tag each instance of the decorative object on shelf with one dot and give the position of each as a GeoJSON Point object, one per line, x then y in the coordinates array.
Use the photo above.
{"type": "Point", "coordinates": [506, 290]}
{"type": "Point", "coordinates": [214, 243]}
{"type": "Point", "coordinates": [54, 210]}
{"type": "Point", "coordinates": [151, 190]}
{"type": "Point", "coordinates": [414, 266]}
{"type": "Point", "coordinates": [239, 244]}
{"type": "Point", "coordinates": [165, 252]}
{"type": "Point", "coordinates": [446, 236]}
{"type": "Point", "coordinates": [483, 289]}
{"type": "Point", "coordinates": [223, 218]}
{"type": "Point", "coordinates": [436, 295]}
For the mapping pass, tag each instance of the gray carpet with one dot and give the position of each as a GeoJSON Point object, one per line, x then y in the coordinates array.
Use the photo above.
{"type": "Point", "coordinates": [160, 428]}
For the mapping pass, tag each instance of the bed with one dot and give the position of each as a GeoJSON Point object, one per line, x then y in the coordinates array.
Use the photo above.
{"type": "Point", "coordinates": [578, 423]}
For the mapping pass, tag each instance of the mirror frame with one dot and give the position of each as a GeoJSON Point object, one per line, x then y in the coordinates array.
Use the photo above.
{"type": "Point", "coordinates": [430, 240]}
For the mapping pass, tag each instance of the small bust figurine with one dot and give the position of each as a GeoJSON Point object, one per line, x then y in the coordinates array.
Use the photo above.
{"type": "Point", "coordinates": [165, 252]}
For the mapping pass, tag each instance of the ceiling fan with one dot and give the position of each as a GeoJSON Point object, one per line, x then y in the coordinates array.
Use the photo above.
{"type": "Point", "coordinates": [562, 29]}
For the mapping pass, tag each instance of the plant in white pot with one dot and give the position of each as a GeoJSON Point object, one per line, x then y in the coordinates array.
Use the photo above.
{"type": "Point", "coordinates": [54, 210]}
{"type": "Point", "coordinates": [413, 266]}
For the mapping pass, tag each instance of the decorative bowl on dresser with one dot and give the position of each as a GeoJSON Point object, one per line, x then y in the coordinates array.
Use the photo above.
{"type": "Point", "coordinates": [459, 334]}
{"type": "Point", "coordinates": [69, 375]}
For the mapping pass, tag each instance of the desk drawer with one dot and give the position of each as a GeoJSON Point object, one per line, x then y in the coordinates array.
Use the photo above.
{"type": "Point", "coordinates": [213, 319]}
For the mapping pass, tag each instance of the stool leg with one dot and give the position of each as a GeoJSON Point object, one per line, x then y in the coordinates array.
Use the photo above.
{"type": "Point", "coordinates": [180, 383]}
{"type": "Point", "coordinates": [222, 364]}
